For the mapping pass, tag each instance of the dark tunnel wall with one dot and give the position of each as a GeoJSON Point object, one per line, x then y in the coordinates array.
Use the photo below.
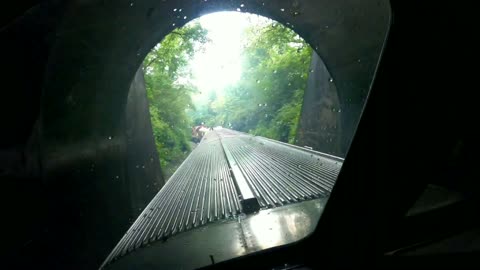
{"type": "Point", "coordinates": [319, 125]}
{"type": "Point", "coordinates": [94, 50]}
{"type": "Point", "coordinates": [144, 174]}
{"type": "Point", "coordinates": [24, 46]}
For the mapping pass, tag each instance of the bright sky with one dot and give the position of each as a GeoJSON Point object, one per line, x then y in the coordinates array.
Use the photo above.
{"type": "Point", "coordinates": [220, 64]}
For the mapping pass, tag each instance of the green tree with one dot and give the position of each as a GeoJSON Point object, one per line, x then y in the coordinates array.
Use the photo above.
{"type": "Point", "coordinates": [169, 92]}
{"type": "Point", "coordinates": [267, 100]}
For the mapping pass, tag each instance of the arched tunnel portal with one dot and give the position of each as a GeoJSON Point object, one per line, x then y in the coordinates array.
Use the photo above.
{"type": "Point", "coordinates": [80, 146]}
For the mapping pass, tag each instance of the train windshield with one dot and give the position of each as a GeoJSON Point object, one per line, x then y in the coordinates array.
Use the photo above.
{"type": "Point", "coordinates": [251, 124]}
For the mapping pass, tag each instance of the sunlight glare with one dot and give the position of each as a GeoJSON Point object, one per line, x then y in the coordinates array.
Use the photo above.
{"type": "Point", "coordinates": [220, 63]}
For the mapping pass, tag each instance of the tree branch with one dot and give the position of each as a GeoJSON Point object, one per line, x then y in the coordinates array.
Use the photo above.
{"type": "Point", "coordinates": [156, 58]}
{"type": "Point", "coordinates": [150, 62]}
{"type": "Point", "coordinates": [177, 33]}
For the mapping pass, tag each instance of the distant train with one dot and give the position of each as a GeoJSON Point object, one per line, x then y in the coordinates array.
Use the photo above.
{"type": "Point", "coordinates": [198, 132]}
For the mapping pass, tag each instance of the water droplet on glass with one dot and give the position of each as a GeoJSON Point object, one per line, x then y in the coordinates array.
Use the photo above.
{"type": "Point", "coordinates": [275, 71]}
{"type": "Point", "coordinates": [109, 137]}
{"type": "Point", "coordinates": [260, 105]}
{"type": "Point", "coordinates": [266, 115]}
{"type": "Point", "coordinates": [239, 9]}
{"type": "Point", "coordinates": [339, 110]}
{"type": "Point", "coordinates": [265, 105]}
{"type": "Point", "coordinates": [358, 60]}
{"type": "Point", "coordinates": [131, 4]}
{"type": "Point", "coordinates": [242, 5]}
{"type": "Point", "coordinates": [289, 84]}
{"type": "Point", "coordinates": [180, 10]}
{"type": "Point", "coordinates": [117, 177]}
{"type": "Point", "coordinates": [311, 70]}
{"type": "Point", "coordinates": [137, 166]}
{"type": "Point", "coordinates": [295, 13]}
{"type": "Point", "coordinates": [331, 80]}
{"type": "Point", "coordinates": [174, 9]}
{"type": "Point", "coordinates": [184, 17]}
{"type": "Point", "coordinates": [282, 9]}
{"type": "Point", "coordinates": [143, 166]}
{"type": "Point", "coordinates": [258, 81]}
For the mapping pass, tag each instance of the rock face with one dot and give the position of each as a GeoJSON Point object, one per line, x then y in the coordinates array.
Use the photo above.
{"type": "Point", "coordinates": [143, 170]}
{"type": "Point", "coordinates": [319, 125]}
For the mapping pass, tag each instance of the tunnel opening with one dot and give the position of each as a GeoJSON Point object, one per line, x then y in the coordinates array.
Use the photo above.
{"type": "Point", "coordinates": [239, 71]}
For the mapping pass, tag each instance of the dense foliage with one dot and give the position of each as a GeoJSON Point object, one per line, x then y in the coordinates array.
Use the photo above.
{"type": "Point", "coordinates": [169, 92]}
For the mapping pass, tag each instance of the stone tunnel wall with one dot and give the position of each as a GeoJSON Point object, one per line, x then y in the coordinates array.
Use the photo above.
{"type": "Point", "coordinates": [319, 125]}
{"type": "Point", "coordinates": [142, 165]}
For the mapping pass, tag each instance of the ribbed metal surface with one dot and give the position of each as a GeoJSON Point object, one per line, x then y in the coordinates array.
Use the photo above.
{"type": "Point", "coordinates": [203, 189]}
{"type": "Point", "coordinates": [200, 191]}
{"type": "Point", "coordinates": [280, 174]}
